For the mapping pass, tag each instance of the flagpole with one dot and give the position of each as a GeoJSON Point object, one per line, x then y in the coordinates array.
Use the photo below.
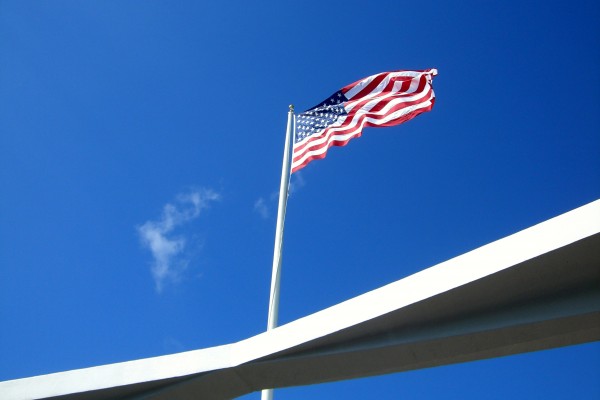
{"type": "Point", "coordinates": [267, 394]}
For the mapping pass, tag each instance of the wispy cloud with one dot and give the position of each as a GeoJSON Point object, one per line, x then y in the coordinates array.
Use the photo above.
{"type": "Point", "coordinates": [296, 182]}
{"type": "Point", "coordinates": [260, 206]}
{"type": "Point", "coordinates": [263, 207]}
{"type": "Point", "coordinates": [159, 236]}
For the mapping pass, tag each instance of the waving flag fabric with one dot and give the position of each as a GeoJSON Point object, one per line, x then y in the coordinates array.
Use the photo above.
{"type": "Point", "coordinates": [385, 99]}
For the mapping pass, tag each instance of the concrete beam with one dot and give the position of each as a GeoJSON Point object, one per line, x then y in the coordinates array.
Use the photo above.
{"type": "Point", "coordinates": [534, 290]}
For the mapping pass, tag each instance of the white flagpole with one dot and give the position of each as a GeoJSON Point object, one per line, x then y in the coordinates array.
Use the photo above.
{"type": "Point", "coordinates": [267, 394]}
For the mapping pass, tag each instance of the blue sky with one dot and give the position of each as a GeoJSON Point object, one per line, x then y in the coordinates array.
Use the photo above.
{"type": "Point", "coordinates": [140, 155]}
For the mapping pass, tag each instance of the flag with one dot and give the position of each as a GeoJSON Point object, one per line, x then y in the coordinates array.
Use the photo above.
{"type": "Point", "coordinates": [385, 99]}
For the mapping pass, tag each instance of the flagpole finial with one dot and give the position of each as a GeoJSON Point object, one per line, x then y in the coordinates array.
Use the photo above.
{"type": "Point", "coordinates": [291, 108]}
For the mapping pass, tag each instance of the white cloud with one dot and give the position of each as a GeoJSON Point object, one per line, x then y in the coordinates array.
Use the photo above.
{"type": "Point", "coordinates": [296, 182]}
{"type": "Point", "coordinates": [260, 206]}
{"type": "Point", "coordinates": [158, 236]}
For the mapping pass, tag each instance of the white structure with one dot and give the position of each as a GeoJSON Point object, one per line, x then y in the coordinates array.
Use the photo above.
{"type": "Point", "coordinates": [536, 289]}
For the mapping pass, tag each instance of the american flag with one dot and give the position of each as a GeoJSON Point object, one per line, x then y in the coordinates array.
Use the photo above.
{"type": "Point", "coordinates": [385, 99]}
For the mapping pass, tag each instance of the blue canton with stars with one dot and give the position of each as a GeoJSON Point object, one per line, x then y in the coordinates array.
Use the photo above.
{"type": "Point", "coordinates": [316, 119]}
